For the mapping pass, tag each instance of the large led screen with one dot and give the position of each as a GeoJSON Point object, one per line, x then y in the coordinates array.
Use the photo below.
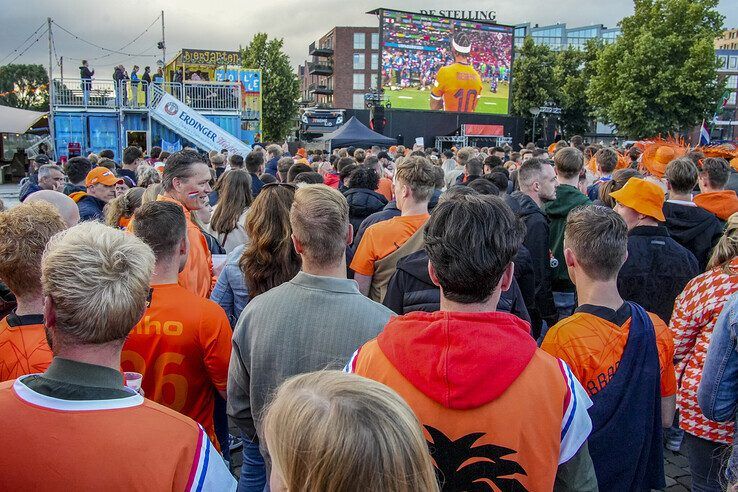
{"type": "Point", "coordinates": [437, 63]}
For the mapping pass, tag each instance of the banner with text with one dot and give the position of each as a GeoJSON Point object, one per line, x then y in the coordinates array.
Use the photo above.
{"type": "Point", "coordinates": [195, 127]}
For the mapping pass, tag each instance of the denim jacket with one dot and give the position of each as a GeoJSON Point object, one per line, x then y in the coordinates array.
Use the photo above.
{"type": "Point", "coordinates": [230, 291]}
{"type": "Point", "coordinates": [718, 391]}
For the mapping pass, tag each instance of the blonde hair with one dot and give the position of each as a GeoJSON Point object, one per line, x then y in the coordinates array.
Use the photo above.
{"type": "Point", "coordinates": [331, 431]}
{"type": "Point", "coordinates": [123, 206]}
{"type": "Point", "coordinates": [419, 175]}
{"type": "Point", "coordinates": [24, 232]}
{"type": "Point", "coordinates": [320, 220]}
{"type": "Point", "coordinates": [98, 278]}
{"type": "Point", "coordinates": [147, 175]}
{"type": "Point", "coordinates": [727, 247]}
{"type": "Point", "coordinates": [151, 193]}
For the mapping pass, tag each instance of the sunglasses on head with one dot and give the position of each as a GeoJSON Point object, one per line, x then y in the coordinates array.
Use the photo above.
{"type": "Point", "coordinates": [291, 186]}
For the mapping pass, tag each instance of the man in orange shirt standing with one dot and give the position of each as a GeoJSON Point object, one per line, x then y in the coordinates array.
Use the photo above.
{"type": "Point", "coordinates": [24, 232]}
{"type": "Point", "coordinates": [182, 345]}
{"type": "Point", "coordinates": [186, 181]}
{"type": "Point", "coordinates": [458, 86]}
{"type": "Point", "coordinates": [622, 355]}
{"type": "Point", "coordinates": [414, 184]}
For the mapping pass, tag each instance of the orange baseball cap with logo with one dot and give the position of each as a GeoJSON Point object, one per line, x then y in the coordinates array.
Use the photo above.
{"type": "Point", "coordinates": [642, 196]}
{"type": "Point", "coordinates": [102, 175]}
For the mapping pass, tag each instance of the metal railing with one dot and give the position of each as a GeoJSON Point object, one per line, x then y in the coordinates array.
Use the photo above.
{"type": "Point", "coordinates": [201, 96]}
{"type": "Point", "coordinates": [83, 93]}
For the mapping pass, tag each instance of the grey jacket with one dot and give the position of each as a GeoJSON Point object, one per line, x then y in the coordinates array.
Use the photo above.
{"type": "Point", "coordinates": [307, 324]}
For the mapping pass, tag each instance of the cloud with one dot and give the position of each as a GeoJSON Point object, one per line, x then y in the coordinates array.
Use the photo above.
{"type": "Point", "coordinates": [226, 24]}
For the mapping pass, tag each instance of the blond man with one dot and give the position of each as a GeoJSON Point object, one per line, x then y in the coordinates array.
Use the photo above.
{"type": "Point", "coordinates": [24, 232]}
{"type": "Point", "coordinates": [414, 185]}
{"type": "Point", "coordinates": [95, 284]}
{"type": "Point", "coordinates": [303, 325]}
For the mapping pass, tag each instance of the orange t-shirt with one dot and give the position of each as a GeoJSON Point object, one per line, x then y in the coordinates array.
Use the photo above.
{"type": "Point", "coordinates": [23, 346]}
{"type": "Point", "coordinates": [385, 188]}
{"type": "Point", "coordinates": [197, 275]}
{"type": "Point", "coordinates": [460, 87]}
{"type": "Point", "coordinates": [593, 346]}
{"type": "Point", "coordinates": [182, 346]}
{"type": "Point", "coordinates": [383, 238]}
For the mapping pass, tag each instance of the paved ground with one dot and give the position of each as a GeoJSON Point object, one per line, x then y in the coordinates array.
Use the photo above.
{"type": "Point", "coordinates": [9, 194]}
{"type": "Point", "coordinates": [676, 468]}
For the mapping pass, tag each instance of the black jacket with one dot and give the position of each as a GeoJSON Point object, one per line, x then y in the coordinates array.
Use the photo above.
{"type": "Point", "coordinates": [656, 271]}
{"type": "Point", "coordinates": [362, 203]}
{"type": "Point", "coordinates": [90, 208]}
{"type": "Point", "coordinates": [536, 241]}
{"type": "Point", "coordinates": [411, 289]}
{"type": "Point", "coordinates": [694, 228]}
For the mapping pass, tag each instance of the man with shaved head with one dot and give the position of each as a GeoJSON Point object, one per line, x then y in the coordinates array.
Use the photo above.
{"type": "Point", "coordinates": [61, 202]}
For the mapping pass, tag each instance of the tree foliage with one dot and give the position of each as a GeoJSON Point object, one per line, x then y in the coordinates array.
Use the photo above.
{"type": "Point", "coordinates": [25, 86]}
{"type": "Point", "coordinates": [280, 88]}
{"type": "Point", "coordinates": [572, 74]}
{"type": "Point", "coordinates": [660, 74]}
{"type": "Point", "coordinates": [533, 83]}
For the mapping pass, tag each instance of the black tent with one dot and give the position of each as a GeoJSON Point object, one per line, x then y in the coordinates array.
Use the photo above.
{"type": "Point", "coordinates": [354, 134]}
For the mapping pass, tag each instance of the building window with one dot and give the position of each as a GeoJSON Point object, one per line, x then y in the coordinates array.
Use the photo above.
{"type": "Point", "coordinates": [375, 40]}
{"type": "Point", "coordinates": [358, 101]}
{"type": "Point", "coordinates": [375, 61]}
{"type": "Point", "coordinates": [359, 61]}
{"type": "Point", "coordinates": [359, 41]}
{"type": "Point", "coordinates": [359, 81]}
{"type": "Point", "coordinates": [373, 81]}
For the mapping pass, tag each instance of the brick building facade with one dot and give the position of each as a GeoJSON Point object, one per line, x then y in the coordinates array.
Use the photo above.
{"type": "Point", "coordinates": [344, 66]}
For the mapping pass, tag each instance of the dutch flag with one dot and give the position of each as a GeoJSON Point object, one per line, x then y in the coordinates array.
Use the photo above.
{"type": "Point", "coordinates": [704, 134]}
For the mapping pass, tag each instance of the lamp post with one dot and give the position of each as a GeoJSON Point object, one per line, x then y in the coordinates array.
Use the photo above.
{"type": "Point", "coordinates": [535, 111]}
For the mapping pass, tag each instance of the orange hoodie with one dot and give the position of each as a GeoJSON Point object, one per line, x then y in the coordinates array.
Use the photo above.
{"type": "Point", "coordinates": [722, 203]}
{"type": "Point", "coordinates": [494, 407]}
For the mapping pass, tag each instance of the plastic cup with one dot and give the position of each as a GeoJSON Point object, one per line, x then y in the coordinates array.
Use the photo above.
{"type": "Point", "coordinates": [133, 380]}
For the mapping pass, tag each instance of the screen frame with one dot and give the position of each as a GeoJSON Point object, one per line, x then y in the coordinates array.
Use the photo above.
{"type": "Point", "coordinates": [380, 85]}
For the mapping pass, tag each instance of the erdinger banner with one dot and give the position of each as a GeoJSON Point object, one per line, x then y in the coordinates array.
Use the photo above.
{"type": "Point", "coordinates": [195, 127]}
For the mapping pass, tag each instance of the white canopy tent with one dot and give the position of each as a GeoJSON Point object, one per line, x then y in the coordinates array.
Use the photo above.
{"type": "Point", "coordinates": [14, 120]}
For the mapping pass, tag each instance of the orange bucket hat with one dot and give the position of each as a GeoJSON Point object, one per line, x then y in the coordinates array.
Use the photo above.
{"type": "Point", "coordinates": [642, 196]}
{"type": "Point", "coordinates": [659, 153]}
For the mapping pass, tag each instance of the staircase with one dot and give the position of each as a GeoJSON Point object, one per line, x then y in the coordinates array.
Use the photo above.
{"type": "Point", "coordinates": [185, 121]}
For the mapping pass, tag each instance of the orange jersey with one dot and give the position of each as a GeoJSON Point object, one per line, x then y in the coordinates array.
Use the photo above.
{"type": "Point", "coordinates": [128, 443]}
{"type": "Point", "coordinates": [197, 275]}
{"type": "Point", "coordinates": [23, 346]}
{"type": "Point", "coordinates": [383, 238]}
{"type": "Point", "coordinates": [460, 87]}
{"type": "Point", "coordinates": [593, 346]}
{"type": "Point", "coordinates": [182, 346]}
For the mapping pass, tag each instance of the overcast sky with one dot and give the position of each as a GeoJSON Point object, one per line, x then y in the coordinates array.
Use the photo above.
{"type": "Point", "coordinates": [226, 24]}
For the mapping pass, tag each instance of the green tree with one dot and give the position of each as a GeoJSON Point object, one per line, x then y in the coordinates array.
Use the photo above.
{"type": "Point", "coordinates": [572, 74]}
{"type": "Point", "coordinates": [25, 86]}
{"type": "Point", "coordinates": [660, 74]}
{"type": "Point", "coordinates": [533, 82]}
{"type": "Point", "coordinates": [280, 87]}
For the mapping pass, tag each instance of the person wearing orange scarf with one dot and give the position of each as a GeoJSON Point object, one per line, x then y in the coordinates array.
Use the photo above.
{"type": "Point", "coordinates": [714, 197]}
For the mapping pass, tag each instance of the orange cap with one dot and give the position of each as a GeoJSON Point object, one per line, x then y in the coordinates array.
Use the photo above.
{"type": "Point", "coordinates": [301, 152]}
{"type": "Point", "coordinates": [102, 175]}
{"type": "Point", "coordinates": [393, 148]}
{"type": "Point", "coordinates": [642, 196]}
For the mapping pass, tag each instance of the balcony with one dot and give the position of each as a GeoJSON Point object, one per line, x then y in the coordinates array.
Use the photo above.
{"type": "Point", "coordinates": [320, 68]}
{"type": "Point", "coordinates": [107, 94]}
{"type": "Point", "coordinates": [320, 89]}
{"type": "Point", "coordinates": [316, 50]}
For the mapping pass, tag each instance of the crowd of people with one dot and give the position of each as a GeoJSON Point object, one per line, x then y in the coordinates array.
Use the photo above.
{"type": "Point", "coordinates": [397, 319]}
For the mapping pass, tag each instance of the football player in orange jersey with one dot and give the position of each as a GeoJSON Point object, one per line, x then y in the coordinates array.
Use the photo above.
{"type": "Point", "coordinates": [458, 86]}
